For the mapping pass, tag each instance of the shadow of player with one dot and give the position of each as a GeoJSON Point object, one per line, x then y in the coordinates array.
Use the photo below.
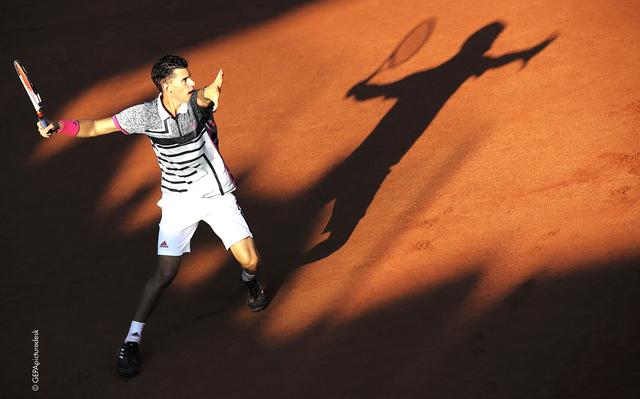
{"type": "Point", "coordinates": [420, 96]}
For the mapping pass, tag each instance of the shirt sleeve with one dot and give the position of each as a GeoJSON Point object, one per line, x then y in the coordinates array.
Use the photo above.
{"type": "Point", "coordinates": [131, 120]}
{"type": "Point", "coordinates": [200, 113]}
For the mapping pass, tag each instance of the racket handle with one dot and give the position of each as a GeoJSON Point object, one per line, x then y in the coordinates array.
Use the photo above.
{"type": "Point", "coordinates": [43, 122]}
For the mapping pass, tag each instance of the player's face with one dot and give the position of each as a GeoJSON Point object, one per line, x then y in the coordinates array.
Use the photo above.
{"type": "Point", "coordinates": [180, 85]}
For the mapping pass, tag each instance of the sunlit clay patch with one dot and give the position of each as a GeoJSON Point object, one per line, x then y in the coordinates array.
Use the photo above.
{"type": "Point", "coordinates": [137, 170]}
{"type": "Point", "coordinates": [200, 265]}
{"type": "Point", "coordinates": [49, 148]}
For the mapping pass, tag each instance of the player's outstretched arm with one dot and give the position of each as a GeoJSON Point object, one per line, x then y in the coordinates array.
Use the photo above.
{"type": "Point", "coordinates": [79, 128]}
{"type": "Point", "coordinates": [211, 93]}
{"type": "Point", "coordinates": [524, 56]}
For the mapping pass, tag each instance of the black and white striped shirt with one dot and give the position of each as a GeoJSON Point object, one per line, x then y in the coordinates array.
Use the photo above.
{"type": "Point", "coordinates": [186, 146]}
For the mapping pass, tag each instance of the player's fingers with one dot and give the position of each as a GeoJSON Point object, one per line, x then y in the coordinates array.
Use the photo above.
{"type": "Point", "coordinates": [219, 78]}
{"type": "Point", "coordinates": [44, 131]}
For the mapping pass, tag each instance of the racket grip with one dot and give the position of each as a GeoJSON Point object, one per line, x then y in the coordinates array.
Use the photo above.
{"type": "Point", "coordinates": [43, 122]}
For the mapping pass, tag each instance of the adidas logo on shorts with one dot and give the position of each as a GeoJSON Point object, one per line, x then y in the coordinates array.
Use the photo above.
{"type": "Point", "coordinates": [164, 245]}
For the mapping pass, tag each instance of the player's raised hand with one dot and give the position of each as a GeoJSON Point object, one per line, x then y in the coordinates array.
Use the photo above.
{"type": "Point", "coordinates": [212, 92]}
{"type": "Point", "coordinates": [529, 54]}
{"type": "Point", "coordinates": [45, 132]}
{"type": "Point", "coordinates": [218, 80]}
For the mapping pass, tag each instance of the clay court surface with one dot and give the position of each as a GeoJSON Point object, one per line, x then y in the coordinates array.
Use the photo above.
{"type": "Point", "coordinates": [464, 225]}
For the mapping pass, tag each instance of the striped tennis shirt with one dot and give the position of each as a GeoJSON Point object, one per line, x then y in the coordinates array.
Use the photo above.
{"type": "Point", "coordinates": [186, 146]}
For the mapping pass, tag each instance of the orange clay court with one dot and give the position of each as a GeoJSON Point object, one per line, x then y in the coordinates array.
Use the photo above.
{"type": "Point", "coordinates": [462, 225]}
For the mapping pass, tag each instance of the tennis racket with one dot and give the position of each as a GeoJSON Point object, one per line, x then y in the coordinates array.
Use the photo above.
{"type": "Point", "coordinates": [31, 91]}
{"type": "Point", "coordinates": [408, 46]}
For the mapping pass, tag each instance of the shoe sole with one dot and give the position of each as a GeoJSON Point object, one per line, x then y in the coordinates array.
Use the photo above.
{"type": "Point", "coordinates": [127, 373]}
{"type": "Point", "coordinates": [256, 310]}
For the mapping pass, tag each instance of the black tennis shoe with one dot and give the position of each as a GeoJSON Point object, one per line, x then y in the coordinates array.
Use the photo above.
{"type": "Point", "coordinates": [128, 363]}
{"type": "Point", "coordinates": [256, 299]}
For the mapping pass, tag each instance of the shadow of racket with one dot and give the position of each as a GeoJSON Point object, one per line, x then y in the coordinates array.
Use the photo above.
{"type": "Point", "coordinates": [408, 46]}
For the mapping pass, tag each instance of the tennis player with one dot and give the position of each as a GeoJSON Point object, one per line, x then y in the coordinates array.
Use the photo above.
{"type": "Point", "coordinates": [195, 183]}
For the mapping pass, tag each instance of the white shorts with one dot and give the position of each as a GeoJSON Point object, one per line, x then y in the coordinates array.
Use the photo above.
{"type": "Point", "coordinates": [180, 218]}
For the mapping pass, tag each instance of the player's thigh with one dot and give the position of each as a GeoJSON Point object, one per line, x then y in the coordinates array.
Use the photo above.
{"type": "Point", "coordinates": [227, 221]}
{"type": "Point", "coordinates": [175, 232]}
{"type": "Point", "coordinates": [168, 266]}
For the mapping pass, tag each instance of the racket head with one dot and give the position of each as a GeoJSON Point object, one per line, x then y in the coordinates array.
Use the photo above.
{"type": "Point", "coordinates": [412, 42]}
{"type": "Point", "coordinates": [29, 87]}
{"type": "Point", "coordinates": [408, 46]}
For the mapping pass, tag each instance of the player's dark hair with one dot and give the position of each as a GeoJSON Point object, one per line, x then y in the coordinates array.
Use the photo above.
{"type": "Point", "coordinates": [163, 68]}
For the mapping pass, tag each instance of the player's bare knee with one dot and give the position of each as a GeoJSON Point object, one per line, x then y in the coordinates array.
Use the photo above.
{"type": "Point", "coordinates": [168, 267]}
{"type": "Point", "coordinates": [250, 262]}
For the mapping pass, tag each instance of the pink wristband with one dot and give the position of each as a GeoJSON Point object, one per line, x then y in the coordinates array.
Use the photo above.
{"type": "Point", "coordinates": [69, 128]}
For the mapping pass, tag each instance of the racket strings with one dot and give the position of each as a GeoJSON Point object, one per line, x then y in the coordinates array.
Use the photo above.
{"type": "Point", "coordinates": [412, 42]}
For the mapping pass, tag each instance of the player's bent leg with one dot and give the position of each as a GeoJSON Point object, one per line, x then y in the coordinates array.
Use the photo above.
{"type": "Point", "coordinates": [168, 267]}
{"type": "Point", "coordinates": [246, 254]}
{"type": "Point", "coordinates": [228, 222]}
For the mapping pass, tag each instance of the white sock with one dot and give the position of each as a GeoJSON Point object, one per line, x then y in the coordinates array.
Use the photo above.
{"type": "Point", "coordinates": [135, 332]}
{"type": "Point", "coordinates": [247, 276]}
